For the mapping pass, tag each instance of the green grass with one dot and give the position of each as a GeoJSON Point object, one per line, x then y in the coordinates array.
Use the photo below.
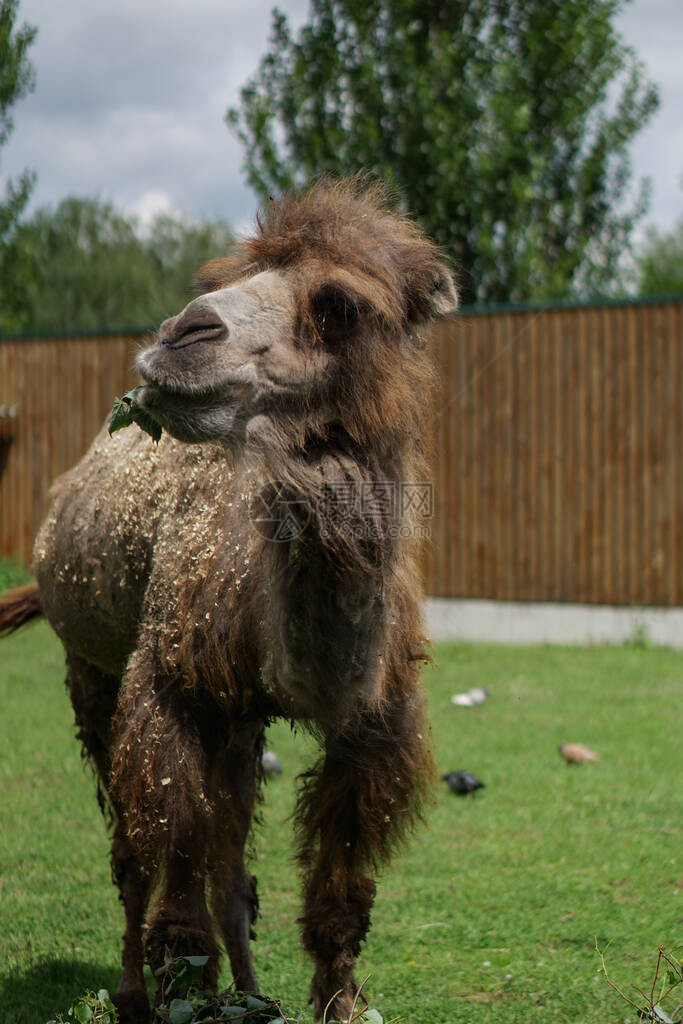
{"type": "Point", "coordinates": [12, 574]}
{"type": "Point", "coordinates": [491, 912]}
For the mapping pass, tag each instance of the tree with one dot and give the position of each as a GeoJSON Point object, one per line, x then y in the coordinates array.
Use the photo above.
{"type": "Point", "coordinates": [505, 125]}
{"type": "Point", "coordinates": [177, 247]}
{"type": "Point", "coordinates": [86, 266]}
{"type": "Point", "coordinates": [16, 79]}
{"type": "Point", "coordinates": [659, 262]}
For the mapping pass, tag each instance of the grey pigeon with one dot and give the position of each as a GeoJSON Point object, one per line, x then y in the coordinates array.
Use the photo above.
{"type": "Point", "coordinates": [479, 694]}
{"type": "Point", "coordinates": [462, 783]}
{"type": "Point", "coordinates": [270, 763]}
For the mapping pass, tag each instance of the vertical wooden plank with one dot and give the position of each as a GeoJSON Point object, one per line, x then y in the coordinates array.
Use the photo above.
{"type": "Point", "coordinates": [462, 407]}
{"type": "Point", "coordinates": [477, 412]}
{"type": "Point", "coordinates": [544, 454]}
{"type": "Point", "coordinates": [655, 492]}
{"type": "Point", "coordinates": [593, 457]}
{"type": "Point", "coordinates": [673, 451]}
{"type": "Point", "coordinates": [532, 523]}
{"type": "Point", "coordinates": [565, 400]}
{"type": "Point", "coordinates": [611, 422]}
{"type": "Point", "coordinates": [21, 508]}
{"type": "Point", "coordinates": [36, 451]}
{"type": "Point", "coordinates": [447, 475]}
{"type": "Point", "coordinates": [7, 446]}
{"type": "Point", "coordinates": [580, 386]}
{"type": "Point", "coordinates": [453, 440]}
{"type": "Point", "coordinates": [646, 456]}
{"type": "Point", "coordinates": [441, 481]}
{"type": "Point", "coordinates": [558, 476]}
{"type": "Point", "coordinates": [596, 547]}
{"type": "Point", "coordinates": [427, 550]}
{"type": "Point", "coordinates": [441, 490]}
{"type": "Point", "coordinates": [449, 434]}
{"type": "Point", "coordinates": [500, 446]}
{"type": "Point", "coordinates": [517, 441]}
{"type": "Point", "coordinates": [622, 415]}
{"type": "Point", "coordinates": [669, 380]}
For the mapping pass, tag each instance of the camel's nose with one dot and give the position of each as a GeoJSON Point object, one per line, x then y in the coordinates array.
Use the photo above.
{"type": "Point", "coordinates": [195, 323]}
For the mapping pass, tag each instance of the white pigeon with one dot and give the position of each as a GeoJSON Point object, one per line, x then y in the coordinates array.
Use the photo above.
{"type": "Point", "coordinates": [470, 699]}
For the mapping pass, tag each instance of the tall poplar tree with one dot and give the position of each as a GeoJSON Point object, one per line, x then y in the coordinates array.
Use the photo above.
{"type": "Point", "coordinates": [504, 124]}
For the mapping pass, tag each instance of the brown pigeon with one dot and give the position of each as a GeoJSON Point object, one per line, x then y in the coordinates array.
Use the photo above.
{"type": "Point", "coordinates": [576, 753]}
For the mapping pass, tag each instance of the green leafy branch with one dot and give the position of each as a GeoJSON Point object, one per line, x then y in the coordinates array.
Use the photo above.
{"type": "Point", "coordinates": [92, 1008]}
{"type": "Point", "coordinates": [182, 1001]}
{"type": "Point", "coordinates": [668, 978]}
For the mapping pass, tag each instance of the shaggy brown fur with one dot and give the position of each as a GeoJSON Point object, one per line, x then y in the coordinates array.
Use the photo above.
{"type": "Point", "coordinates": [297, 382]}
{"type": "Point", "coordinates": [19, 606]}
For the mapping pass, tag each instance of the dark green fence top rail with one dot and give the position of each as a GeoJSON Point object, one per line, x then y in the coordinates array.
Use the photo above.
{"type": "Point", "coordinates": [94, 332]}
{"type": "Point", "coordinates": [598, 302]}
{"type": "Point", "coordinates": [473, 310]}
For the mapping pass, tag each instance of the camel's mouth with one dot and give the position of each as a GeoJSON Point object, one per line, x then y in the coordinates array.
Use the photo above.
{"type": "Point", "coordinates": [190, 416]}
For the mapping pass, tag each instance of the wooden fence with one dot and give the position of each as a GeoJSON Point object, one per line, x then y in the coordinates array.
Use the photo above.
{"type": "Point", "coordinates": [60, 390]}
{"type": "Point", "coordinates": [558, 448]}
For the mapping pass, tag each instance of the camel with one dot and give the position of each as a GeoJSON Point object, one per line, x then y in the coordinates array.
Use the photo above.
{"type": "Point", "coordinates": [257, 563]}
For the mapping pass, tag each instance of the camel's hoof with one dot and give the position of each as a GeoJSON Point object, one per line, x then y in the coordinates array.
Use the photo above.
{"type": "Point", "coordinates": [339, 1009]}
{"type": "Point", "coordinates": [132, 1006]}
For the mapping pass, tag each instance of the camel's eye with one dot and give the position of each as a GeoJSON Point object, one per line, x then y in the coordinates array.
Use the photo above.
{"type": "Point", "coordinates": [334, 311]}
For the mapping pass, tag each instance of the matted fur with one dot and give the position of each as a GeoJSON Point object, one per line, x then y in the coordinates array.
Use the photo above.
{"type": "Point", "coordinates": [187, 629]}
{"type": "Point", "coordinates": [19, 606]}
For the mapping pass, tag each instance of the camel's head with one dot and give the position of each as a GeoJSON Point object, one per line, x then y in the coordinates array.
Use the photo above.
{"type": "Point", "coordinates": [310, 326]}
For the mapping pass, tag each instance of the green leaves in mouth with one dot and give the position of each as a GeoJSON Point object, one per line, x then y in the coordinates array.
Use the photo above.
{"type": "Point", "coordinates": [127, 410]}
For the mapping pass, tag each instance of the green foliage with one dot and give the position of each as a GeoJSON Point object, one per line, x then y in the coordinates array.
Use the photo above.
{"type": "Point", "coordinates": [659, 262]}
{"type": "Point", "coordinates": [668, 975]}
{"type": "Point", "coordinates": [92, 1008]}
{"type": "Point", "coordinates": [505, 125]}
{"type": "Point", "coordinates": [85, 265]}
{"type": "Point", "coordinates": [127, 411]}
{"type": "Point", "coordinates": [16, 80]}
{"type": "Point", "coordinates": [196, 1006]}
{"type": "Point", "coordinates": [184, 974]}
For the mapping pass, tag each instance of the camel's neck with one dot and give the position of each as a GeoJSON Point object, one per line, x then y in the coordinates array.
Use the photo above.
{"type": "Point", "coordinates": [339, 533]}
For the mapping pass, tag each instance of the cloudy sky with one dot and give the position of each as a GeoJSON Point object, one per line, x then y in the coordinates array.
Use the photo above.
{"type": "Point", "coordinates": [131, 96]}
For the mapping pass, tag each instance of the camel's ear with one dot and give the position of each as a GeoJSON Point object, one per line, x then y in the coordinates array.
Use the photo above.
{"type": "Point", "coordinates": [433, 296]}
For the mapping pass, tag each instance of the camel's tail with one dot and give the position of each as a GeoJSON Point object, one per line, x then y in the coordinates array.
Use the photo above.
{"type": "Point", "coordinates": [19, 606]}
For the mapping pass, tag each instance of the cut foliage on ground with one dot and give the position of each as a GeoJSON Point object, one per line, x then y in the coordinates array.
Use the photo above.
{"type": "Point", "coordinates": [492, 912]}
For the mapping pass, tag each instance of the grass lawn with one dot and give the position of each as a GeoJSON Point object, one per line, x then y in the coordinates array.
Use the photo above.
{"type": "Point", "coordinates": [491, 912]}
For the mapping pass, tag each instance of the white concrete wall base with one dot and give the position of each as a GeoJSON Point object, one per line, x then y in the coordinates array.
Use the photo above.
{"type": "Point", "coordinates": [520, 622]}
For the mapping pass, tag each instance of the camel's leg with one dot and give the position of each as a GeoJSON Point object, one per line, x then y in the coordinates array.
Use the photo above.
{"type": "Point", "coordinates": [159, 777]}
{"type": "Point", "coordinates": [93, 695]}
{"type": "Point", "coordinates": [235, 902]}
{"type": "Point", "coordinates": [130, 997]}
{"type": "Point", "coordinates": [180, 924]}
{"type": "Point", "coordinates": [353, 807]}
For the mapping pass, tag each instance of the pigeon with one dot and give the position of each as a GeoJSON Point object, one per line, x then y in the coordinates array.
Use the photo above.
{"type": "Point", "coordinates": [470, 699]}
{"type": "Point", "coordinates": [270, 764]}
{"type": "Point", "coordinates": [576, 753]}
{"type": "Point", "coordinates": [462, 783]}
{"type": "Point", "coordinates": [479, 694]}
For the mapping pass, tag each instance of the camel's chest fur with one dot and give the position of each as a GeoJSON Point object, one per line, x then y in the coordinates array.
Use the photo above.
{"type": "Point", "coordinates": [133, 532]}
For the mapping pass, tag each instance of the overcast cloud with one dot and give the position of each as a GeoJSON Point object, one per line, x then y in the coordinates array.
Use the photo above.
{"type": "Point", "coordinates": [130, 101]}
